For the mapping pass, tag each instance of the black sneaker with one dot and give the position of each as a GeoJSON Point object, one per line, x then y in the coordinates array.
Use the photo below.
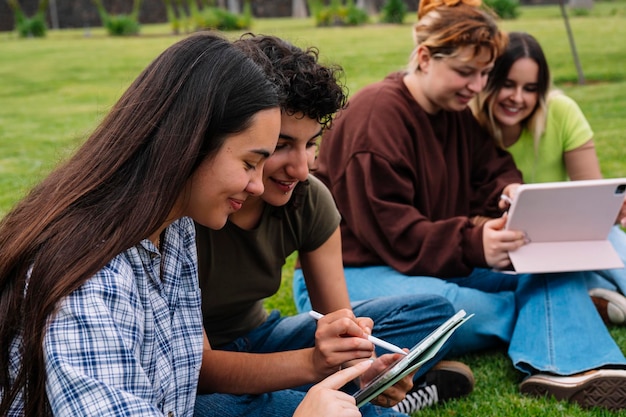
{"type": "Point", "coordinates": [445, 381]}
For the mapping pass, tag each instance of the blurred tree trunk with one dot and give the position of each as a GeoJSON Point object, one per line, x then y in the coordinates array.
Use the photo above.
{"type": "Point", "coordinates": [368, 5]}
{"type": "Point", "coordinates": [298, 8]}
{"type": "Point", "coordinates": [54, 14]}
{"type": "Point", "coordinates": [572, 44]}
{"type": "Point", "coordinates": [234, 6]}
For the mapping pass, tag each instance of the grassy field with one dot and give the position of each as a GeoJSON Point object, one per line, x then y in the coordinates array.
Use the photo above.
{"type": "Point", "coordinates": [53, 91]}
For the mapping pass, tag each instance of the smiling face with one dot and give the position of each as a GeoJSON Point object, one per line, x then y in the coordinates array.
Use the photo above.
{"type": "Point", "coordinates": [293, 158]}
{"type": "Point", "coordinates": [449, 83]}
{"type": "Point", "coordinates": [223, 182]}
{"type": "Point", "coordinates": [517, 98]}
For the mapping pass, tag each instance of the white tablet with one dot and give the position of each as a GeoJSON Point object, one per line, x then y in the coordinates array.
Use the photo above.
{"type": "Point", "coordinates": [567, 225]}
{"type": "Point", "coordinates": [422, 352]}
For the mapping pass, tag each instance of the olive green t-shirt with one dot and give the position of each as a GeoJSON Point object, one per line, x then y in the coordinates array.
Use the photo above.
{"type": "Point", "coordinates": [239, 268]}
{"type": "Point", "coordinates": [566, 129]}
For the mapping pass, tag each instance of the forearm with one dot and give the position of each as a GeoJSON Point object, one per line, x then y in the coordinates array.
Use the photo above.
{"type": "Point", "coordinates": [255, 373]}
{"type": "Point", "coordinates": [323, 273]}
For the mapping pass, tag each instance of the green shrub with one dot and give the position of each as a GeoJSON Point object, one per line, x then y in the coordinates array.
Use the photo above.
{"type": "Point", "coordinates": [28, 27]}
{"type": "Point", "coordinates": [506, 9]}
{"type": "Point", "coordinates": [393, 11]}
{"type": "Point", "coordinates": [221, 19]}
{"type": "Point", "coordinates": [337, 14]}
{"type": "Point", "coordinates": [355, 16]}
{"type": "Point", "coordinates": [121, 25]}
{"type": "Point", "coordinates": [580, 11]}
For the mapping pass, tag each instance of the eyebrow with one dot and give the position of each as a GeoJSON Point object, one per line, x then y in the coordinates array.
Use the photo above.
{"type": "Point", "coordinates": [283, 136]}
{"type": "Point", "coordinates": [263, 152]}
{"type": "Point", "coordinates": [477, 68]}
{"type": "Point", "coordinates": [471, 66]}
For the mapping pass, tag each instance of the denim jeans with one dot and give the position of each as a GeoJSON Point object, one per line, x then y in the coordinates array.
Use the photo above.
{"type": "Point", "coordinates": [547, 320]}
{"type": "Point", "coordinates": [612, 279]}
{"type": "Point", "coordinates": [275, 404]}
{"type": "Point", "coordinates": [489, 295]}
{"type": "Point", "coordinates": [402, 320]}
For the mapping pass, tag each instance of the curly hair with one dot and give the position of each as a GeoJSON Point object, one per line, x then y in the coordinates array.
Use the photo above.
{"type": "Point", "coordinates": [308, 88]}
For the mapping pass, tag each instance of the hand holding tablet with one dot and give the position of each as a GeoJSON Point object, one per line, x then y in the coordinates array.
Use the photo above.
{"type": "Point", "coordinates": [567, 225]}
{"type": "Point", "coordinates": [421, 353]}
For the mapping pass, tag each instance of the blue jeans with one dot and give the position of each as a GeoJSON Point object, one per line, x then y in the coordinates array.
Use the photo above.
{"type": "Point", "coordinates": [489, 295]}
{"type": "Point", "coordinates": [547, 320]}
{"type": "Point", "coordinates": [612, 279]}
{"type": "Point", "coordinates": [402, 320]}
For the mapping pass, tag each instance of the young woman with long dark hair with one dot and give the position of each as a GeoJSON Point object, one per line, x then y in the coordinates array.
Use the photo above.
{"type": "Point", "coordinates": [99, 294]}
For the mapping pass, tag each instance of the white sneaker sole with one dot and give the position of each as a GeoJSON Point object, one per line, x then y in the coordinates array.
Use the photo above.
{"type": "Point", "coordinates": [604, 388]}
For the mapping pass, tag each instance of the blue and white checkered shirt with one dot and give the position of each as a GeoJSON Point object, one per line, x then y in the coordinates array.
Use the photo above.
{"type": "Point", "coordinates": [129, 341]}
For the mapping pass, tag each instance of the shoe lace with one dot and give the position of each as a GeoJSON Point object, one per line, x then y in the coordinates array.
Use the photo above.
{"type": "Point", "coordinates": [418, 399]}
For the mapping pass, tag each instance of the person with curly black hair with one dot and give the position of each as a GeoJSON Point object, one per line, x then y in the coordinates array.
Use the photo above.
{"type": "Point", "coordinates": [279, 357]}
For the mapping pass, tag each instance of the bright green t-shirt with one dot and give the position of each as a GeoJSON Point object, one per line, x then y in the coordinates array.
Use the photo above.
{"type": "Point", "coordinates": [566, 129]}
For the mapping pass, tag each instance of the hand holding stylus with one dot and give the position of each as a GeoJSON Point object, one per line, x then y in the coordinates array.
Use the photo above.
{"type": "Point", "coordinates": [378, 342]}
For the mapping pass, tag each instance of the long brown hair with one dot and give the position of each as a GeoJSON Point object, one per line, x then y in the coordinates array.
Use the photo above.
{"type": "Point", "coordinates": [521, 45]}
{"type": "Point", "coordinates": [116, 190]}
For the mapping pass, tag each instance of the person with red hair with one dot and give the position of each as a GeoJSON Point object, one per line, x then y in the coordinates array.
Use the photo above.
{"type": "Point", "coordinates": [418, 183]}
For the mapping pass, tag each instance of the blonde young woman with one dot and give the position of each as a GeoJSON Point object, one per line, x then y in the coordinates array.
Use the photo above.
{"type": "Point", "coordinates": [550, 140]}
{"type": "Point", "coordinates": [417, 182]}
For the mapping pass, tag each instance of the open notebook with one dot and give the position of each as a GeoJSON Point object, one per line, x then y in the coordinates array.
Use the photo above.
{"type": "Point", "coordinates": [567, 224]}
{"type": "Point", "coordinates": [422, 352]}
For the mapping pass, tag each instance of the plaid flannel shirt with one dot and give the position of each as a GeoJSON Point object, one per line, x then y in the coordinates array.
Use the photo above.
{"type": "Point", "coordinates": [129, 341]}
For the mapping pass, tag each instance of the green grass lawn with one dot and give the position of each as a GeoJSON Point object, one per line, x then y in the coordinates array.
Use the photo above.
{"type": "Point", "coordinates": [53, 91]}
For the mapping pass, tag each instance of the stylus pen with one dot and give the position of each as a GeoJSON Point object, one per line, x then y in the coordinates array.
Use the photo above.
{"type": "Point", "coordinates": [378, 342]}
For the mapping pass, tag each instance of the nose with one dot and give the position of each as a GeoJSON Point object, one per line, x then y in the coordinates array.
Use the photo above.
{"type": "Point", "coordinates": [299, 164]}
{"type": "Point", "coordinates": [255, 185]}
{"type": "Point", "coordinates": [477, 83]}
{"type": "Point", "coordinates": [516, 95]}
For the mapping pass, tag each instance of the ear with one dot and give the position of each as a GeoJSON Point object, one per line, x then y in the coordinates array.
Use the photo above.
{"type": "Point", "coordinates": [423, 58]}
